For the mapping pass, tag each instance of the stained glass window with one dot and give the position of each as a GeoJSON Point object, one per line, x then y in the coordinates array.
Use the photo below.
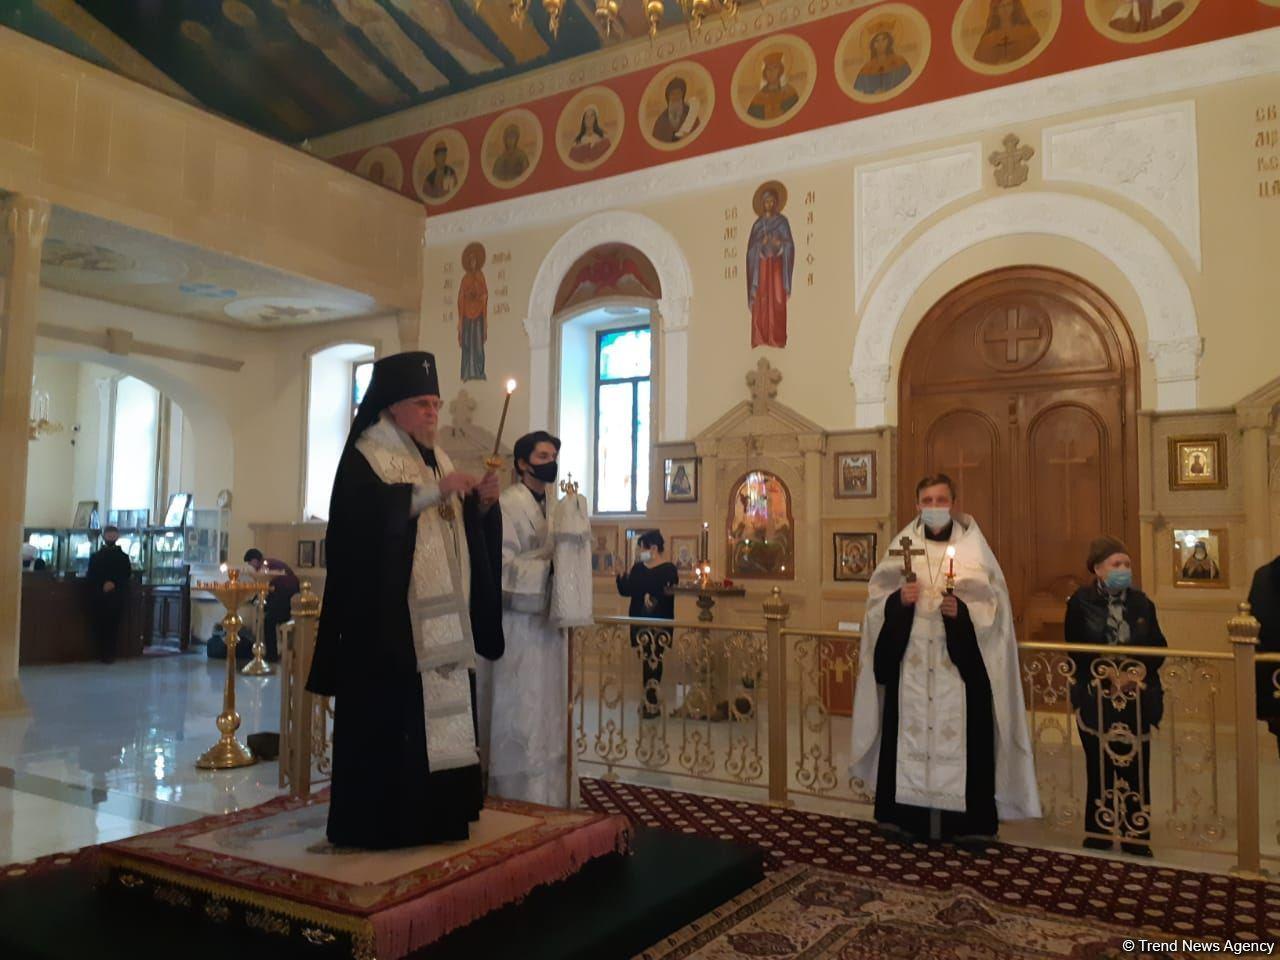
{"type": "Point", "coordinates": [622, 420]}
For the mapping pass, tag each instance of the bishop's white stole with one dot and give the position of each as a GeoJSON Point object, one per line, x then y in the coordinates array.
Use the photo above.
{"type": "Point", "coordinates": [439, 597]}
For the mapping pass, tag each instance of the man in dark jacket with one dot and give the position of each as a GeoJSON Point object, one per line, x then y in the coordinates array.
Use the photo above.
{"type": "Point", "coordinates": [1264, 597]}
{"type": "Point", "coordinates": [1118, 700]}
{"type": "Point", "coordinates": [276, 608]}
{"type": "Point", "coordinates": [108, 576]}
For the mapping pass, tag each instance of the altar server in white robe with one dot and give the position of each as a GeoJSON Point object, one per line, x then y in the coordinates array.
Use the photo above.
{"type": "Point", "coordinates": [524, 695]}
{"type": "Point", "coordinates": [939, 726]}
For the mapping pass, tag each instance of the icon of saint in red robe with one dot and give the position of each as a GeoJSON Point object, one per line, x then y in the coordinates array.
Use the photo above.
{"type": "Point", "coordinates": [771, 259]}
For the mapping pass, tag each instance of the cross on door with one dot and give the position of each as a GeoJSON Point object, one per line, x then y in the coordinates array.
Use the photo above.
{"type": "Point", "coordinates": [1067, 461]}
{"type": "Point", "coordinates": [1013, 334]}
{"type": "Point", "coordinates": [956, 470]}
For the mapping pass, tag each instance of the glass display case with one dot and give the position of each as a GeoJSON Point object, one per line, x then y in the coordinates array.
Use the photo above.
{"type": "Point", "coordinates": [164, 549]}
{"type": "Point", "coordinates": [81, 545]}
{"type": "Point", "coordinates": [48, 541]}
{"type": "Point", "coordinates": [206, 537]}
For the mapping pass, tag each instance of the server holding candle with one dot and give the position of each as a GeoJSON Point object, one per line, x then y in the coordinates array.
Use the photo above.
{"type": "Point", "coordinates": [524, 696]}
{"type": "Point", "coordinates": [939, 727]}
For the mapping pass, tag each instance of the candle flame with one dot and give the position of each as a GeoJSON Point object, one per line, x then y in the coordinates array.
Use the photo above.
{"type": "Point", "coordinates": [511, 387]}
{"type": "Point", "coordinates": [223, 568]}
{"type": "Point", "coordinates": [951, 552]}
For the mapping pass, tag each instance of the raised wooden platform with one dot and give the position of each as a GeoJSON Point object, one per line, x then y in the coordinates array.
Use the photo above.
{"type": "Point", "coordinates": [614, 907]}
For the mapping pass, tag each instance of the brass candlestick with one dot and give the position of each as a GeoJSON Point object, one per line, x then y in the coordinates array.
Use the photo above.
{"type": "Point", "coordinates": [229, 752]}
{"type": "Point", "coordinates": [258, 666]}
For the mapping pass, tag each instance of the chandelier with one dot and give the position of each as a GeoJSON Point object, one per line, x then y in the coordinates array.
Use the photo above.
{"type": "Point", "coordinates": [38, 422]}
{"type": "Point", "coordinates": [607, 12]}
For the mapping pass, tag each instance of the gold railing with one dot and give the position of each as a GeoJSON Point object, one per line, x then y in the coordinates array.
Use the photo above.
{"type": "Point", "coordinates": [306, 720]}
{"type": "Point", "coordinates": [764, 709]}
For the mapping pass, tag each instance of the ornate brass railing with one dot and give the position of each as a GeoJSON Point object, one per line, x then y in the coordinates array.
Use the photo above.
{"type": "Point", "coordinates": [767, 707]}
{"type": "Point", "coordinates": [671, 698]}
{"type": "Point", "coordinates": [306, 720]}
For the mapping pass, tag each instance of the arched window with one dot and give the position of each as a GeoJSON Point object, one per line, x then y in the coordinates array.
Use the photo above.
{"type": "Point", "coordinates": [337, 377]}
{"type": "Point", "coordinates": [605, 307]}
{"type": "Point", "coordinates": [761, 530]}
{"type": "Point", "coordinates": [135, 422]}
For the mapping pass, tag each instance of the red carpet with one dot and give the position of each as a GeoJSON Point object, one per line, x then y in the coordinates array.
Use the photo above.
{"type": "Point", "coordinates": [1137, 895]}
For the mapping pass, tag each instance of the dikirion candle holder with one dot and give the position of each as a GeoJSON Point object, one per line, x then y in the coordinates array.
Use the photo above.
{"type": "Point", "coordinates": [258, 666]}
{"type": "Point", "coordinates": [229, 753]}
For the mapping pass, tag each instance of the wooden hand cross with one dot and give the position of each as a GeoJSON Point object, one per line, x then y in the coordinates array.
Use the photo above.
{"type": "Point", "coordinates": [906, 553]}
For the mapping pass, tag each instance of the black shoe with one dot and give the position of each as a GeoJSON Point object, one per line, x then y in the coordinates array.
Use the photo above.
{"type": "Point", "coordinates": [973, 843]}
{"type": "Point", "coordinates": [1137, 850]}
{"type": "Point", "coordinates": [1096, 843]}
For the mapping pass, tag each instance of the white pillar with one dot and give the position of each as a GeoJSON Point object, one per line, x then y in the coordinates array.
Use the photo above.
{"type": "Point", "coordinates": [26, 220]}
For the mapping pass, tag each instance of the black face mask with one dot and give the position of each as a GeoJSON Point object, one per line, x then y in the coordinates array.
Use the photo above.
{"type": "Point", "coordinates": [546, 472]}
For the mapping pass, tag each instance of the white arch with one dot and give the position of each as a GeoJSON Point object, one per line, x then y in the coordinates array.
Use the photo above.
{"type": "Point", "coordinates": [214, 453]}
{"type": "Point", "coordinates": [663, 251]}
{"type": "Point", "coordinates": [1173, 331]}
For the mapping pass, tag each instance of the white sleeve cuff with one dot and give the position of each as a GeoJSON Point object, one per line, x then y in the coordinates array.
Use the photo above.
{"type": "Point", "coordinates": [423, 497]}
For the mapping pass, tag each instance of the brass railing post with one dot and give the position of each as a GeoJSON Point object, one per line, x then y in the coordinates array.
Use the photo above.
{"type": "Point", "coordinates": [284, 643]}
{"type": "Point", "coordinates": [1242, 631]}
{"type": "Point", "coordinates": [305, 607]}
{"type": "Point", "coordinates": [775, 619]}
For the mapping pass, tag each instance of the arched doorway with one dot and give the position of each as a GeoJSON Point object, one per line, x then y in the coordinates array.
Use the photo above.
{"type": "Point", "coordinates": [1022, 384]}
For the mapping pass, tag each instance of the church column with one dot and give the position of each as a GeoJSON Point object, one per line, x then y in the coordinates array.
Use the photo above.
{"type": "Point", "coordinates": [811, 565]}
{"type": "Point", "coordinates": [26, 219]}
{"type": "Point", "coordinates": [1255, 428]}
{"type": "Point", "coordinates": [673, 371]}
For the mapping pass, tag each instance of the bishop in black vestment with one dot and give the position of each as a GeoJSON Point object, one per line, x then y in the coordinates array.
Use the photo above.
{"type": "Point", "coordinates": [411, 596]}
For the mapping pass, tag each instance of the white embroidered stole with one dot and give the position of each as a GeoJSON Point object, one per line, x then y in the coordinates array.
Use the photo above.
{"type": "Point", "coordinates": [439, 599]}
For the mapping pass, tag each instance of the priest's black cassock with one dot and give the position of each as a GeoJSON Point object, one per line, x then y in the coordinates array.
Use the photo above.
{"type": "Point", "coordinates": [405, 766]}
{"type": "Point", "coordinates": [979, 815]}
{"type": "Point", "coordinates": [939, 729]}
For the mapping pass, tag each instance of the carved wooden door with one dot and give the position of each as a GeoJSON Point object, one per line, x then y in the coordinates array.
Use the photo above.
{"type": "Point", "coordinates": [1021, 385]}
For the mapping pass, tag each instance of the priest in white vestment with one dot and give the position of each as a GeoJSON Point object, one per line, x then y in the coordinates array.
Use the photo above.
{"type": "Point", "coordinates": [939, 725]}
{"type": "Point", "coordinates": [524, 696]}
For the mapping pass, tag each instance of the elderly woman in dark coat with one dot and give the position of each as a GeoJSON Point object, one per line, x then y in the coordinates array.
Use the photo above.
{"type": "Point", "coordinates": [1118, 701]}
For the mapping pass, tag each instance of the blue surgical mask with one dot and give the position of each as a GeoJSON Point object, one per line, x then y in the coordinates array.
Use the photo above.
{"type": "Point", "coordinates": [646, 556]}
{"type": "Point", "coordinates": [935, 518]}
{"type": "Point", "coordinates": [1119, 579]}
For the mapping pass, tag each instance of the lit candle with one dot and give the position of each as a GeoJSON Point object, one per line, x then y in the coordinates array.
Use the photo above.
{"type": "Point", "coordinates": [502, 422]}
{"type": "Point", "coordinates": [706, 534]}
{"type": "Point", "coordinates": [951, 561]}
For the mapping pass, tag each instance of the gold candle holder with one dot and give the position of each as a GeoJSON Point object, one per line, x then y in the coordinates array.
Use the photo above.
{"type": "Point", "coordinates": [229, 752]}
{"type": "Point", "coordinates": [258, 666]}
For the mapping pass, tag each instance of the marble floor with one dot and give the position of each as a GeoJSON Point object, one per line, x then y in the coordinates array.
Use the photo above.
{"type": "Point", "coordinates": [108, 751]}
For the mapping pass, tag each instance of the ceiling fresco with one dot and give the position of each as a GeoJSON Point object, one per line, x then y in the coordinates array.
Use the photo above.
{"type": "Point", "coordinates": [96, 258]}
{"type": "Point", "coordinates": [296, 69]}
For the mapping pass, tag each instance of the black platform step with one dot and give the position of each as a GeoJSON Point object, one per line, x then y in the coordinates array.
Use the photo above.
{"type": "Point", "coordinates": [614, 907]}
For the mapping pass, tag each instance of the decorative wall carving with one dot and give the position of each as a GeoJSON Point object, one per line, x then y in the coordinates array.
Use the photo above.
{"type": "Point", "coordinates": [1169, 310]}
{"type": "Point", "coordinates": [1010, 164]}
{"type": "Point", "coordinates": [892, 198]}
{"type": "Point", "coordinates": [1146, 156]}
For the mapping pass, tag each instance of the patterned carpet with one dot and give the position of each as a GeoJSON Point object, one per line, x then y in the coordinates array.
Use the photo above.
{"type": "Point", "coordinates": [1135, 896]}
{"type": "Point", "coordinates": [808, 913]}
